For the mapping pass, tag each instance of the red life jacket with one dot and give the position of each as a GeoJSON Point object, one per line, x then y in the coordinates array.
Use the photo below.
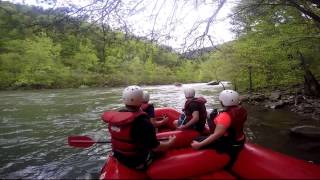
{"type": "Point", "coordinates": [120, 126]}
{"type": "Point", "coordinates": [200, 101]}
{"type": "Point", "coordinates": [238, 116]}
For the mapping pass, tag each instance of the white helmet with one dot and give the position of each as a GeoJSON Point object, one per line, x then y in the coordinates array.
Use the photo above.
{"type": "Point", "coordinates": [229, 98]}
{"type": "Point", "coordinates": [132, 96]}
{"type": "Point", "coordinates": [146, 96]}
{"type": "Point", "coordinates": [189, 92]}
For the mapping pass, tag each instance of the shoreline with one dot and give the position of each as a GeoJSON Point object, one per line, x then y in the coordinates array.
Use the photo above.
{"type": "Point", "coordinates": [291, 97]}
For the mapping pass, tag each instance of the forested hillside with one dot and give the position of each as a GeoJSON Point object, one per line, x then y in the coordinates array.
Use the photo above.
{"type": "Point", "coordinates": [46, 49]}
{"type": "Point", "coordinates": [39, 49]}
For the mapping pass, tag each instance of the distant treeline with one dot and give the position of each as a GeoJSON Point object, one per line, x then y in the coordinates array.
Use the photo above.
{"type": "Point", "coordinates": [44, 49]}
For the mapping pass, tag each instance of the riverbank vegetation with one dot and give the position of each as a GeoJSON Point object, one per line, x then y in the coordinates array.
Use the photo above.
{"type": "Point", "coordinates": [276, 42]}
{"type": "Point", "coordinates": [37, 51]}
{"type": "Point", "coordinates": [45, 49]}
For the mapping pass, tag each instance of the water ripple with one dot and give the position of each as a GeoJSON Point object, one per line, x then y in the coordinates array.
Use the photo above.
{"type": "Point", "coordinates": [35, 126]}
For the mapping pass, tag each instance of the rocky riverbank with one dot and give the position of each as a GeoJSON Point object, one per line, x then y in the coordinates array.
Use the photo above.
{"type": "Point", "coordinates": [291, 97]}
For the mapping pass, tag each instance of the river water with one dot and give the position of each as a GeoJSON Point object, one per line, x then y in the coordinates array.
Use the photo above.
{"type": "Point", "coordinates": [34, 126]}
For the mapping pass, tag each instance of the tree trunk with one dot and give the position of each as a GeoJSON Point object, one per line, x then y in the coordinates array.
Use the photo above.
{"type": "Point", "coordinates": [305, 11]}
{"type": "Point", "coordinates": [250, 78]}
{"type": "Point", "coordinates": [311, 85]}
{"type": "Point", "coordinates": [104, 33]}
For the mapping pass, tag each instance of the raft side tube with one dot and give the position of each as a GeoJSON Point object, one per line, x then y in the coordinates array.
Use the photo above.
{"type": "Point", "coordinates": [115, 170]}
{"type": "Point", "coordinates": [217, 175]}
{"type": "Point", "coordinates": [256, 162]}
{"type": "Point", "coordinates": [171, 113]}
{"type": "Point", "coordinates": [187, 163]}
{"type": "Point", "coordinates": [183, 137]}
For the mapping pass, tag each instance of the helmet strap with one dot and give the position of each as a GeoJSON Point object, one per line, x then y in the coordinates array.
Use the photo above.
{"type": "Point", "coordinates": [222, 104]}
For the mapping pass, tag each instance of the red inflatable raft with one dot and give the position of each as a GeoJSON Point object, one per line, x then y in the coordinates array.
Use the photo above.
{"type": "Point", "coordinates": [254, 162]}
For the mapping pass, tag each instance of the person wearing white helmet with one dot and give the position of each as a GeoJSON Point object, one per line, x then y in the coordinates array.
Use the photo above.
{"type": "Point", "coordinates": [149, 109]}
{"type": "Point", "coordinates": [195, 113]}
{"type": "Point", "coordinates": [133, 137]}
{"type": "Point", "coordinates": [226, 127]}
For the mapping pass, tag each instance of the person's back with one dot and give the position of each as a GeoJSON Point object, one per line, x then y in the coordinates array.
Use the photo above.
{"type": "Point", "coordinates": [238, 115]}
{"type": "Point", "coordinates": [140, 145]}
{"type": "Point", "coordinates": [226, 127]}
{"type": "Point", "coordinates": [196, 104]}
{"type": "Point", "coordinates": [195, 112]}
{"type": "Point", "coordinates": [133, 136]}
{"type": "Point", "coordinates": [149, 109]}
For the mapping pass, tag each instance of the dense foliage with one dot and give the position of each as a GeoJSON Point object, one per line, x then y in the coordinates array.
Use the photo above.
{"type": "Point", "coordinates": [270, 38]}
{"type": "Point", "coordinates": [42, 49]}
{"type": "Point", "coordinates": [45, 49]}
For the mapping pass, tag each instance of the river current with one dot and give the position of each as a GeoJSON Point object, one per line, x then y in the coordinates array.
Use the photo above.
{"type": "Point", "coordinates": [35, 124]}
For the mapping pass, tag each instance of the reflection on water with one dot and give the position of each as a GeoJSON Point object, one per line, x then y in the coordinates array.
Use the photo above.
{"type": "Point", "coordinates": [34, 126]}
{"type": "Point", "coordinates": [270, 128]}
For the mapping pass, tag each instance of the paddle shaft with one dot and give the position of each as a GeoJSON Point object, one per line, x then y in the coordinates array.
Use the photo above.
{"type": "Point", "coordinates": [84, 141]}
{"type": "Point", "coordinates": [91, 141]}
{"type": "Point", "coordinates": [102, 142]}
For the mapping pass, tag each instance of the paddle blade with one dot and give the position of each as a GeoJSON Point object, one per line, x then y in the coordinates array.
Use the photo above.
{"type": "Point", "coordinates": [80, 141]}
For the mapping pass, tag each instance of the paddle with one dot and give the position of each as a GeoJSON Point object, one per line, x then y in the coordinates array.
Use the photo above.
{"type": "Point", "coordinates": [85, 141]}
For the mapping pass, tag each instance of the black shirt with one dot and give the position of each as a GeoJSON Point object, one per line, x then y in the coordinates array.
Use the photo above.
{"type": "Point", "coordinates": [144, 134]}
{"type": "Point", "coordinates": [150, 111]}
{"type": "Point", "coordinates": [193, 106]}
